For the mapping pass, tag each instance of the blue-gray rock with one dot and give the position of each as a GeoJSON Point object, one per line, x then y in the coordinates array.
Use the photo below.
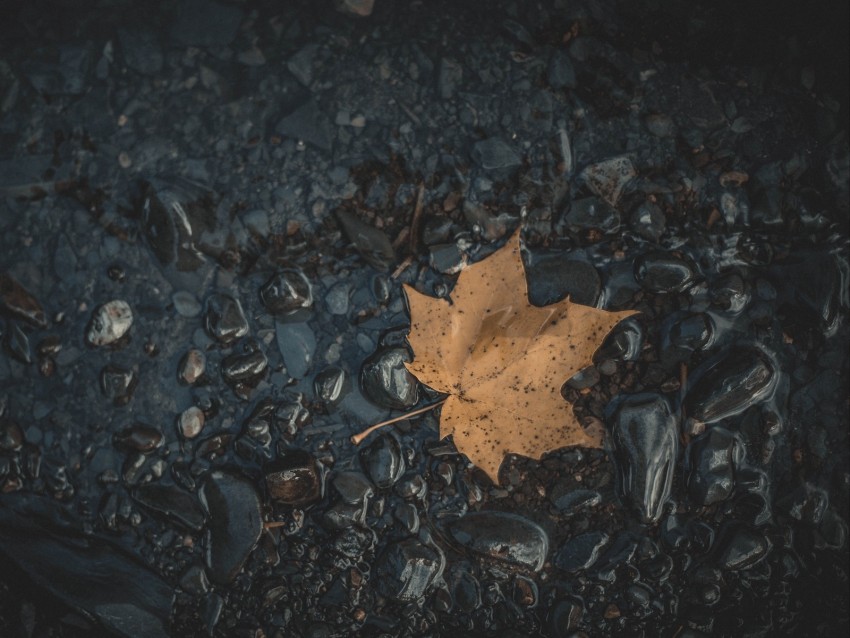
{"type": "Point", "coordinates": [383, 461]}
{"type": "Point", "coordinates": [560, 72]}
{"type": "Point", "coordinates": [713, 457]}
{"type": "Point", "coordinates": [386, 382]}
{"type": "Point", "coordinates": [297, 344]}
{"type": "Point", "coordinates": [742, 548]}
{"type": "Point", "coordinates": [592, 213]}
{"type": "Point", "coordinates": [644, 432]}
{"type": "Point", "coordinates": [729, 384]}
{"type": "Point", "coordinates": [658, 271]}
{"type": "Point", "coordinates": [503, 536]}
{"type": "Point", "coordinates": [235, 523]}
{"type": "Point", "coordinates": [224, 319]}
{"type": "Point", "coordinates": [308, 124]}
{"type": "Point", "coordinates": [495, 153]}
{"type": "Point", "coordinates": [581, 552]}
{"type": "Point", "coordinates": [649, 221]}
{"type": "Point", "coordinates": [287, 292]}
{"type": "Point", "coordinates": [172, 504]}
{"type": "Point", "coordinates": [372, 243]}
{"type": "Point", "coordinates": [609, 178]}
{"type": "Point", "coordinates": [87, 573]}
{"type": "Point", "coordinates": [406, 569]}
{"type": "Point", "coordinates": [553, 278]}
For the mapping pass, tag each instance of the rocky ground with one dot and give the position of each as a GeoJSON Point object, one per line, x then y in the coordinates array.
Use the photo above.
{"type": "Point", "coordinates": [209, 208]}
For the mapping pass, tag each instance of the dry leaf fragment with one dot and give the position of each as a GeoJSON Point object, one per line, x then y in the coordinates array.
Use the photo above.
{"type": "Point", "coordinates": [503, 361]}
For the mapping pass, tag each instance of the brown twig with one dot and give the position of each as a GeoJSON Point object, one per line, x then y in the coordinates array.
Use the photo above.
{"type": "Point", "coordinates": [417, 215]}
{"type": "Point", "coordinates": [357, 439]}
{"type": "Point", "coordinates": [402, 267]}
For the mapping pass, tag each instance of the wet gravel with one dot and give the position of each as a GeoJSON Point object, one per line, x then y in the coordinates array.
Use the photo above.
{"type": "Point", "coordinates": [207, 212]}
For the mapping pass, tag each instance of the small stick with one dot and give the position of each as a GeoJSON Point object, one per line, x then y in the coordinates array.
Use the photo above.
{"type": "Point", "coordinates": [273, 524]}
{"type": "Point", "coordinates": [402, 267]}
{"type": "Point", "coordinates": [417, 215]}
{"type": "Point", "coordinates": [357, 439]}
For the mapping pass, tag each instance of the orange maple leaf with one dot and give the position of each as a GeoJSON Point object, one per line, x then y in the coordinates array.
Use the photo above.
{"type": "Point", "coordinates": [503, 361]}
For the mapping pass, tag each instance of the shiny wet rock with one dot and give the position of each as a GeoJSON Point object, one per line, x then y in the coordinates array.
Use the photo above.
{"type": "Point", "coordinates": [385, 380]}
{"type": "Point", "coordinates": [407, 569]}
{"type": "Point", "coordinates": [503, 536]}
{"type": "Point", "coordinates": [224, 319]}
{"type": "Point", "coordinates": [294, 479]}
{"type": "Point", "coordinates": [235, 523]}
{"type": "Point", "coordinates": [109, 323]}
{"type": "Point", "coordinates": [644, 432]}
{"type": "Point", "coordinates": [729, 384]}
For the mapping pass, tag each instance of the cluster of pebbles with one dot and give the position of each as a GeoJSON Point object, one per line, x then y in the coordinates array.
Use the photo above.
{"type": "Point", "coordinates": [208, 212]}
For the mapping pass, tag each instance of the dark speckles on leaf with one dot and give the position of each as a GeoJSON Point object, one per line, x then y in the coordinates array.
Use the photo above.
{"type": "Point", "coordinates": [510, 356]}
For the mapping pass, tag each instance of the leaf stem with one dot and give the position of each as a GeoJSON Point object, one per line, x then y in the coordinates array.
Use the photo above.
{"type": "Point", "coordinates": [357, 439]}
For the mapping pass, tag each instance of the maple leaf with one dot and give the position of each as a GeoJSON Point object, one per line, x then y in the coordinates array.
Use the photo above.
{"type": "Point", "coordinates": [503, 361]}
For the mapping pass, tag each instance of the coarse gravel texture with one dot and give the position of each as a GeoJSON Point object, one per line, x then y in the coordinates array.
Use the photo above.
{"type": "Point", "coordinates": [207, 212]}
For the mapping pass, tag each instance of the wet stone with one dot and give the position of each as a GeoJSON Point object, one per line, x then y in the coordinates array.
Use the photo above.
{"type": "Point", "coordinates": [565, 617]}
{"type": "Point", "coordinates": [224, 319]}
{"type": "Point", "coordinates": [644, 432]}
{"type": "Point", "coordinates": [372, 243]}
{"type": "Point", "coordinates": [581, 552]}
{"type": "Point", "coordinates": [609, 178]}
{"type": "Point", "coordinates": [648, 221]}
{"type": "Point", "coordinates": [560, 72]}
{"type": "Point", "coordinates": [109, 323]}
{"type": "Point", "coordinates": [337, 299]}
{"type": "Point", "coordinates": [383, 461]}
{"type": "Point", "coordinates": [552, 279]}
{"type": "Point", "coordinates": [495, 153]}
{"type": "Point", "coordinates": [11, 435]}
{"type": "Point", "coordinates": [446, 258]}
{"type": "Point", "coordinates": [624, 343]}
{"type": "Point", "coordinates": [353, 487]}
{"type": "Point", "coordinates": [192, 366]}
{"type": "Point", "coordinates": [730, 292]}
{"type": "Point", "coordinates": [297, 345]}
{"type": "Point", "coordinates": [194, 581]}
{"type": "Point", "coordinates": [16, 343]}
{"type": "Point", "coordinates": [243, 370]}
{"type": "Point", "coordinates": [714, 457]}
{"type": "Point", "coordinates": [191, 422]}
{"type": "Point", "coordinates": [742, 548]}
{"type": "Point", "coordinates": [117, 384]}
{"type": "Point", "coordinates": [186, 304]}
{"type": "Point", "coordinates": [567, 498]}
{"type": "Point", "coordinates": [660, 125]}
{"type": "Point", "coordinates": [730, 384]}
{"type": "Point", "coordinates": [287, 292]}
{"type": "Point", "coordinates": [692, 332]}
{"type": "Point", "coordinates": [386, 382]}
{"type": "Point", "coordinates": [592, 213]}
{"type": "Point", "coordinates": [16, 301]}
{"type": "Point", "coordinates": [172, 504]}
{"type": "Point", "coordinates": [503, 536]}
{"type": "Point", "coordinates": [406, 569]}
{"type": "Point", "coordinates": [235, 523]}
{"type": "Point", "coordinates": [308, 124]}
{"type": "Point", "coordinates": [294, 479]}
{"type": "Point", "coordinates": [662, 272]}
{"type": "Point", "coordinates": [139, 438]}
{"type": "Point", "coordinates": [331, 385]}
